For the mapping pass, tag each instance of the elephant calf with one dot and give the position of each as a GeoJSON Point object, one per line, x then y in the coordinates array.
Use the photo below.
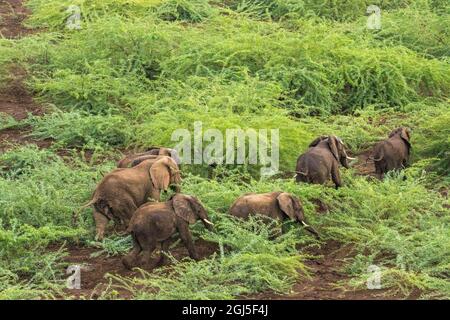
{"type": "Point", "coordinates": [123, 190]}
{"type": "Point", "coordinates": [151, 153]}
{"type": "Point", "coordinates": [155, 223]}
{"type": "Point", "coordinates": [392, 153]}
{"type": "Point", "coordinates": [322, 161]}
{"type": "Point", "coordinates": [276, 205]}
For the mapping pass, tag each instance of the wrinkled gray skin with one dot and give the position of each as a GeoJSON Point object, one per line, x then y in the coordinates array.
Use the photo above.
{"type": "Point", "coordinates": [392, 153]}
{"type": "Point", "coordinates": [276, 205]}
{"type": "Point", "coordinates": [322, 160]}
{"type": "Point", "coordinates": [123, 190]}
{"type": "Point", "coordinates": [155, 223]}
{"type": "Point", "coordinates": [151, 153]}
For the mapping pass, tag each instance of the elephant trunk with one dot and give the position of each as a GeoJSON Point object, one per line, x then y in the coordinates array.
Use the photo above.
{"type": "Point", "coordinates": [205, 219]}
{"type": "Point", "coordinates": [208, 224]}
{"type": "Point", "coordinates": [310, 229]}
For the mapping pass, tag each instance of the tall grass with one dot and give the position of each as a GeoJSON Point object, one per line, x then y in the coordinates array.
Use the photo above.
{"type": "Point", "coordinates": [138, 70]}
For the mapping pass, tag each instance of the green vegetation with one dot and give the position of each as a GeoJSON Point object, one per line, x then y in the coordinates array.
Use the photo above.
{"type": "Point", "coordinates": [140, 69]}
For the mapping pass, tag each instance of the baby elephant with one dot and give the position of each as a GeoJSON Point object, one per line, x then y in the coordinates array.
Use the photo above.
{"type": "Point", "coordinates": [322, 160]}
{"type": "Point", "coordinates": [392, 153]}
{"type": "Point", "coordinates": [276, 205]}
{"type": "Point", "coordinates": [155, 223]}
{"type": "Point", "coordinates": [151, 153]}
{"type": "Point", "coordinates": [123, 190]}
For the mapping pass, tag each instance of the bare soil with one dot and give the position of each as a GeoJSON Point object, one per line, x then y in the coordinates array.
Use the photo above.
{"type": "Point", "coordinates": [13, 13]}
{"type": "Point", "coordinates": [15, 99]}
{"type": "Point", "coordinates": [93, 280]}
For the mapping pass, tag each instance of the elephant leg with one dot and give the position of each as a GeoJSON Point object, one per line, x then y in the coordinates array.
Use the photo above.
{"type": "Point", "coordinates": [147, 255]}
{"type": "Point", "coordinates": [186, 237]}
{"type": "Point", "coordinates": [100, 225]}
{"type": "Point", "coordinates": [164, 250]}
{"type": "Point", "coordinates": [336, 176]}
{"type": "Point", "coordinates": [124, 211]}
{"type": "Point", "coordinates": [129, 261]}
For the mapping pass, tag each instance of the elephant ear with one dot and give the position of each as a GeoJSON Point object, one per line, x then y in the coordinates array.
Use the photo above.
{"type": "Point", "coordinates": [286, 205]}
{"type": "Point", "coordinates": [316, 141]}
{"type": "Point", "coordinates": [298, 208]}
{"type": "Point", "coordinates": [160, 174]}
{"type": "Point", "coordinates": [332, 144]}
{"type": "Point", "coordinates": [183, 209]}
{"type": "Point", "coordinates": [405, 134]}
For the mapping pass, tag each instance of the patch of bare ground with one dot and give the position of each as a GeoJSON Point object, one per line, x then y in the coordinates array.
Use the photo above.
{"type": "Point", "coordinates": [15, 99]}
{"type": "Point", "coordinates": [12, 15]}
{"type": "Point", "coordinates": [93, 280]}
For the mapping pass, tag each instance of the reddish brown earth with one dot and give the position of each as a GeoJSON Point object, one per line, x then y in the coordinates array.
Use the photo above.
{"type": "Point", "coordinates": [17, 101]}
{"type": "Point", "coordinates": [93, 280]}
{"type": "Point", "coordinates": [13, 13]}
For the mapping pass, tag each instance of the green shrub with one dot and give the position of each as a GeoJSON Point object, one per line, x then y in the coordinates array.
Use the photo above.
{"type": "Point", "coordinates": [184, 10]}
{"type": "Point", "coordinates": [434, 140]}
{"type": "Point", "coordinates": [73, 129]}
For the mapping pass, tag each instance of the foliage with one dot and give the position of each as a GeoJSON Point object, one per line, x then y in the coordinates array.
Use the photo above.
{"type": "Point", "coordinates": [139, 69]}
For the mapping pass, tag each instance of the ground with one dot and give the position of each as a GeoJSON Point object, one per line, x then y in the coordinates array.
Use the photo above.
{"type": "Point", "coordinates": [17, 101]}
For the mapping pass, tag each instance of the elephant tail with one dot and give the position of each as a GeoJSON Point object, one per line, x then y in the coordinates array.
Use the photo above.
{"type": "Point", "coordinates": [76, 214]}
{"type": "Point", "coordinates": [88, 204]}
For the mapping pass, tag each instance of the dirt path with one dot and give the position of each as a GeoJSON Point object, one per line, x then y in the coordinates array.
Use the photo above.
{"type": "Point", "coordinates": [15, 100]}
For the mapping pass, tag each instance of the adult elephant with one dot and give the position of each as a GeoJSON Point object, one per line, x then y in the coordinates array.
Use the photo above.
{"type": "Point", "coordinates": [155, 223]}
{"type": "Point", "coordinates": [392, 153]}
{"type": "Point", "coordinates": [322, 161]}
{"type": "Point", "coordinates": [123, 190]}
{"type": "Point", "coordinates": [151, 153]}
{"type": "Point", "coordinates": [275, 205]}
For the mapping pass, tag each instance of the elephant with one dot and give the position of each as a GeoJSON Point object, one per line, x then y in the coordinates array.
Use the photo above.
{"type": "Point", "coordinates": [151, 153]}
{"type": "Point", "coordinates": [123, 190]}
{"type": "Point", "coordinates": [155, 223]}
{"type": "Point", "coordinates": [276, 205]}
{"type": "Point", "coordinates": [322, 160]}
{"type": "Point", "coordinates": [392, 153]}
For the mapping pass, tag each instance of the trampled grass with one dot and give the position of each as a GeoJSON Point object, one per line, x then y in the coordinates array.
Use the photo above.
{"type": "Point", "coordinates": [140, 69]}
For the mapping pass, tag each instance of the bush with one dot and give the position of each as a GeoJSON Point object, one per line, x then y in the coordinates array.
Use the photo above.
{"type": "Point", "coordinates": [184, 10]}
{"type": "Point", "coordinates": [73, 129]}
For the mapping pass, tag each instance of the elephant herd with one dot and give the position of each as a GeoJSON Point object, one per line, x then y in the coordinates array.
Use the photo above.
{"type": "Point", "coordinates": [122, 195]}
